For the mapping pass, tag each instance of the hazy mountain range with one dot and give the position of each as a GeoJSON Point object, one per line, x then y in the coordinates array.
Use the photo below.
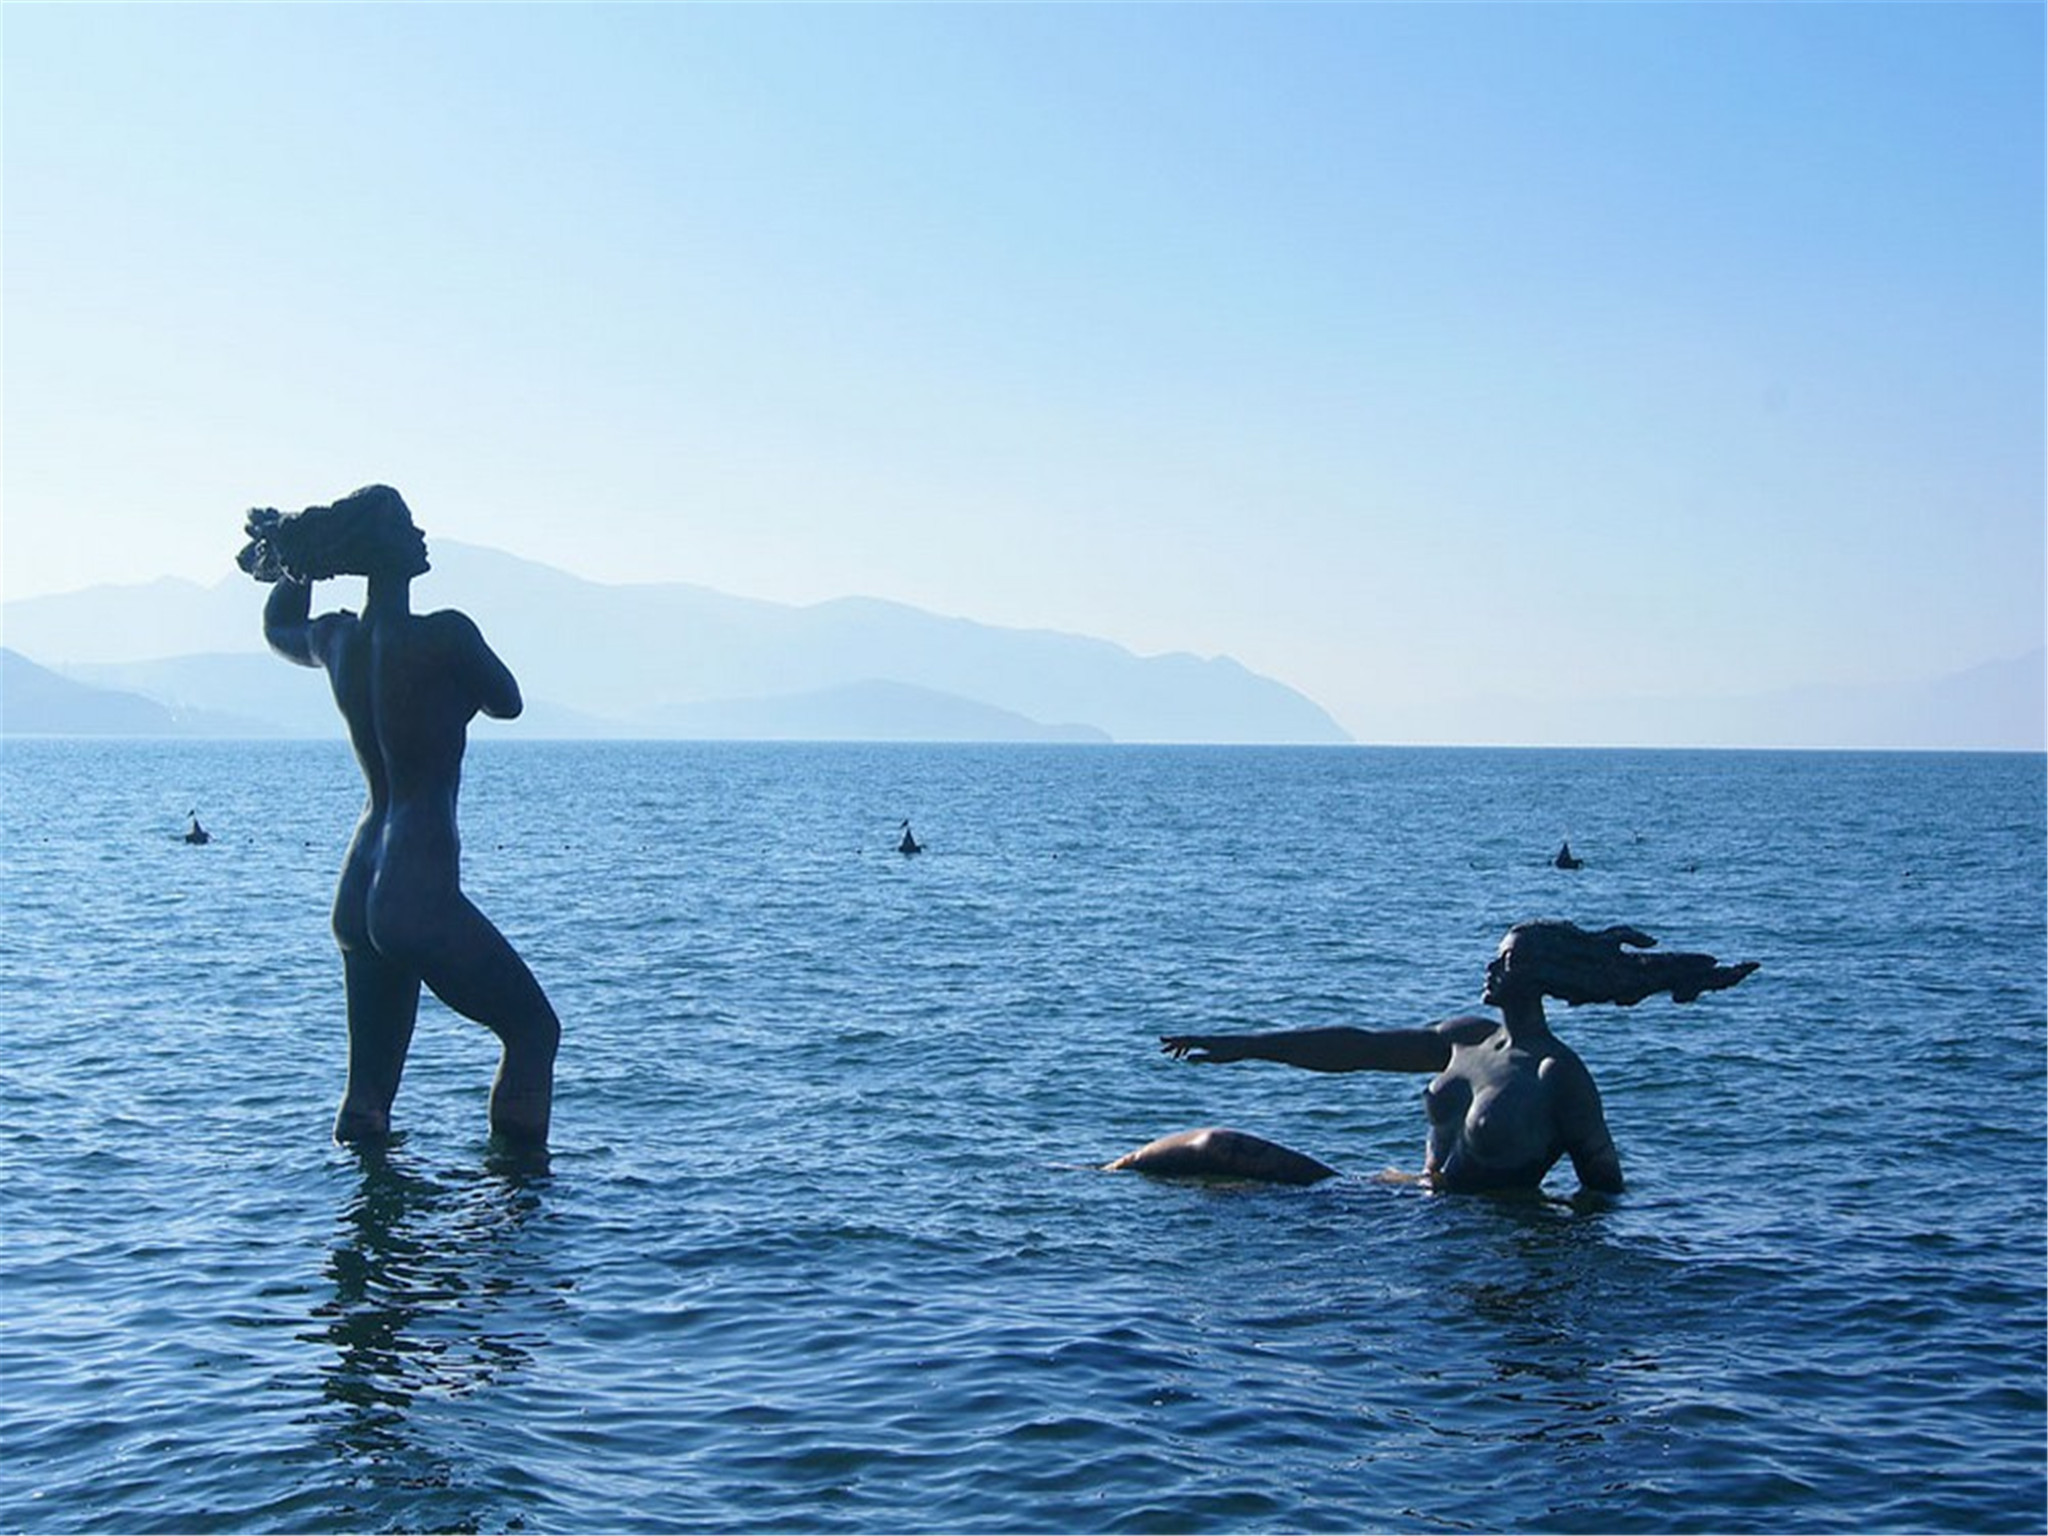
{"type": "Point", "coordinates": [672, 660]}
{"type": "Point", "coordinates": [652, 660]}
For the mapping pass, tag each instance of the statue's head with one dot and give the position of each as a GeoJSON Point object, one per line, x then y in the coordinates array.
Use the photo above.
{"type": "Point", "coordinates": [1578, 965]}
{"type": "Point", "coordinates": [373, 530]}
{"type": "Point", "coordinates": [369, 532]}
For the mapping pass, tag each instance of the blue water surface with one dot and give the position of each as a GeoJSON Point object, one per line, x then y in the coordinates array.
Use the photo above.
{"type": "Point", "coordinates": [820, 1248]}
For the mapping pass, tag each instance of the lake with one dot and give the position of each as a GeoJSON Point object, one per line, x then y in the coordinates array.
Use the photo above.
{"type": "Point", "coordinates": [820, 1246]}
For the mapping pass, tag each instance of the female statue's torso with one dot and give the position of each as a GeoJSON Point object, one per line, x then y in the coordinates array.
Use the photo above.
{"type": "Point", "coordinates": [1493, 1114]}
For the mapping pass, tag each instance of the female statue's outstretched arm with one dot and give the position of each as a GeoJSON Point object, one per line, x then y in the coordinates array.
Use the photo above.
{"type": "Point", "coordinates": [1335, 1050]}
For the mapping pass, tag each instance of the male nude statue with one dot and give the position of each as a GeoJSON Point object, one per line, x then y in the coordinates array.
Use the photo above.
{"type": "Point", "coordinates": [407, 685]}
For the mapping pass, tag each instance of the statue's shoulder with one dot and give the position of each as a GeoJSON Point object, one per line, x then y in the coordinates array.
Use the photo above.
{"type": "Point", "coordinates": [328, 635]}
{"type": "Point", "coordinates": [1467, 1028]}
{"type": "Point", "coordinates": [449, 625]}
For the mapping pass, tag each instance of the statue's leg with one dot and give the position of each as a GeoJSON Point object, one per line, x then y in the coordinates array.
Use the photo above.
{"type": "Point", "coordinates": [470, 967]}
{"type": "Point", "coordinates": [523, 1093]}
{"type": "Point", "coordinates": [1217, 1152]}
{"type": "Point", "coordinates": [383, 1000]}
{"type": "Point", "coordinates": [383, 1003]}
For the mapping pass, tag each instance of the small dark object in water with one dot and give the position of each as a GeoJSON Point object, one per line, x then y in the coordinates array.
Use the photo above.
{"type": "Point", "coordinates": [909, 844]}
{"type": "Point", "coordinates": [195, 833]}
{"type": "Point", "coordinates": [1566, 859]}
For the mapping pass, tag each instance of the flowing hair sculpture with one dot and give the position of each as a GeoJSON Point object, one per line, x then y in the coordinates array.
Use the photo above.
{"type": "Point", "coordinates": [1576, 965]}
{"type": "Point", "coordinates": [318, 543]}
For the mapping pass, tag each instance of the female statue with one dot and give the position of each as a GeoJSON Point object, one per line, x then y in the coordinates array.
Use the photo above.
{"type": "Point", "coordinates": [1509, 1098]}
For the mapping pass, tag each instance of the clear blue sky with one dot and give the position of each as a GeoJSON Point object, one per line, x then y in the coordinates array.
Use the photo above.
{"type": "Point", "coordinates": [1402, 352]}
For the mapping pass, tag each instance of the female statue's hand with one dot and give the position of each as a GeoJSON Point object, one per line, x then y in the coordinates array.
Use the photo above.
{"type": "Point", "coordinates": [1207, 1048]}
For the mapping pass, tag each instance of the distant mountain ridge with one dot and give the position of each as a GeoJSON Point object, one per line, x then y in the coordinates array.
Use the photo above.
{"type": "Point", "coordinates": [174, 657]}
{"type": "Point", "coordinates": [35, 700]}
{"type": "Point", "coordinates": [669, 660]}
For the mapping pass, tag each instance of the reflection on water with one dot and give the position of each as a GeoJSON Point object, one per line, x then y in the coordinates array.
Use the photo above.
{"type": "Point", "coordinates": [1553, 1350]}
{"type": "Point", "coordinates": [440, 1292]}
{"type": "Point", "coordinates": [1541, 1298]}
{"type": "Point", "coordinates": [1558, 1345]}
